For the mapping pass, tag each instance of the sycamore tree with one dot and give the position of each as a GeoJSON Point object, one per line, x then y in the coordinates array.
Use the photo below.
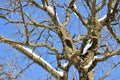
{"type": "Point", "coordinates": [71, 33]}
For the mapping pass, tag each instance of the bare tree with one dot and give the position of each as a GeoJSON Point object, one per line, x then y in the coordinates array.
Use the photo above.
{"type": "Point", "coordinates": [47, 26]}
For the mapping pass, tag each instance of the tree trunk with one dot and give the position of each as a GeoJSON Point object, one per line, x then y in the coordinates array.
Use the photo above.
{"type": "Point", "coordinates": [83, 75]}
{"type": "Point", "coordinates": [91, 74]}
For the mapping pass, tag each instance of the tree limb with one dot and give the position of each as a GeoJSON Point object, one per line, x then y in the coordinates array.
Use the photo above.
{"type": "Point", "coordinates": [49, 9]}
{"type": "Point", "coordinates": [80, 37]}
{"type": "Point", "coordinates": [111, 12]}
{"type": "Point", "coordinates": [89, 3]}
{"type": "Point", "coordinates": [99, 59]}
{"type": "Point", "coordinates": [45, 3]}
{"type": "Point", "coordinates": [101, 6]}
{"type": "Point", "coordinates": [24, 22]}
{"type": "Point", "coordinates": [37, 59]}
{"type": "Point", "coordinates": [36, 4]}
{"type": "Point", "coordinates": [23, 70]}
{"type": "Point", "coordinates": [31, 22]}
{"type": "Point", "coordinates": [113, 33]}
{"type": "Point", "coordinates": [109, 70]}
{"type": "Point", "coordinates": [12, 42]}
{"type": "Point", "coordinates": [67, 18]}
{"type": "Point", "coordinates": [72, 6]}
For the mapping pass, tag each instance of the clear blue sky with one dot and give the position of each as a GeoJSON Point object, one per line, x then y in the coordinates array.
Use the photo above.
{"type": "Point", "coordinates": [35, 72]}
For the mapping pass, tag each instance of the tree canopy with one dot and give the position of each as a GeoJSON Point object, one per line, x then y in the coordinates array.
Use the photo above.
{"type": "Point", "coordinates": [59, 35]}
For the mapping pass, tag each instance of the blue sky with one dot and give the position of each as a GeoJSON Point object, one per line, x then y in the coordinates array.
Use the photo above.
{"type": "Point", "coordinates": [35, 72]}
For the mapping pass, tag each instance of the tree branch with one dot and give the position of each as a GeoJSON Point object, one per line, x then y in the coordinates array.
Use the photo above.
{"type": "Point", "coordinates": [31, 22]}
{"type": "Point", "coordinates": [37, 59]}
{"type": "Point", "coordinates": [17, 44]}
{"type": "Point", "coordinates": [109, 70]}
{"type": "Point", "coordinates": [101, 6]}
{"type": "Point", "coordinates": [111, 12]}
{"type": "Point", "coordinates": [45, 3]}
{"type": "Point", "coordinates": [67, 18]}
{"type": "Point", "coordinates": [36, 4]}
{"type": "Point", "coordinates": [23, 70]}
{"type": "Point", "coordinates": [89, 3]}
{"type": "Point", "coordinates": [49, 9]}
{"type": "Point", "coordinates": [72, 6]}
{"type": "Point", "coordinates": [113, 33]}
{"type": "Point", "coordinates": [80, 37]}
{"type": "Point", "coordinates": [4, 39]}
{"type": "Point", "coordinates": [99, 59]}
{"type": "Point", "coordinates": [24, 22]}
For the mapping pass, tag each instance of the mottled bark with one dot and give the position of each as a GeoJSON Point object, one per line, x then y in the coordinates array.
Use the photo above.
{"type": "Point", "coordinates": [71, 48]}
{"type": "Point", "coordinates": [86, 75]}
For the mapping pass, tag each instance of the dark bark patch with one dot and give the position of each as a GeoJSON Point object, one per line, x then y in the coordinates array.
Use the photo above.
{"type": "Point", "coordinates": [68, 43]}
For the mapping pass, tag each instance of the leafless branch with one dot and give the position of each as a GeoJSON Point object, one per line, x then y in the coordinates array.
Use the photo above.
{"type": "Point", "coordinates": [101, 6]}
{"type": "Point", "coordinates": [89, 3]}
{"type": "Point", "coordinates": [72, 6]}
{"type": "Point", "coordinates": [3, 39]}
{"type": "Point", "coordinates": [36, 4]}
{"type": "Point", "coordinates": [112, 12]}
{"type": "Point", "coordinates": [45, 2]}
{"type": "Point", "coordinates": [37, 59]}
{"type": "Point", "coordinates": [107, 56]}
{"type": "Point", "coordinates": [23, 70]}
{"type": "Point", "coordinates": [80, 37]}
{"type": "Point", "coordinates": [67, 17]}
{"type": "Point", "coordinates": [113, 33]}
{"type": "Point", "coordinates": [31, 22]}
{"type": "Point", "coordinates": [6, 73]}
{"type": "Point", "coordinates": [45, 31]}
{"type": "Point", "coordinates": [109, 70]}
{"type": "Point", "coordinates": [24, 22]}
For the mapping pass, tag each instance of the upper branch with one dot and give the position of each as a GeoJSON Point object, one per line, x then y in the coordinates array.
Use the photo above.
{"type": "Point", "coordinates": [51, 10]}
{"type": "Point", "coordinates": [113, 9]}
{"type": "Point", "coordinates": [24, 22]}
{"type": "Point", "coordinates": [74, 8]}
{"type": "Point", "coordinates": [89, 4]}
{"type": "Point", "coordinates": [36, 4]}
{"type": "Point", "coordinates": [67, 18]}
{"type": "Point", "coordinates": [30, 22]}
{"type": "Point", "coordinates": [113, 33]}
{"type": "Point", "coordinates": [101, 6]}
{"type": "Point", "coordinates": [45, 3]}
{"type": "Point", "coordinates": [80, 37]}
{"type": "Point", "coordinates": [107, 56]}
